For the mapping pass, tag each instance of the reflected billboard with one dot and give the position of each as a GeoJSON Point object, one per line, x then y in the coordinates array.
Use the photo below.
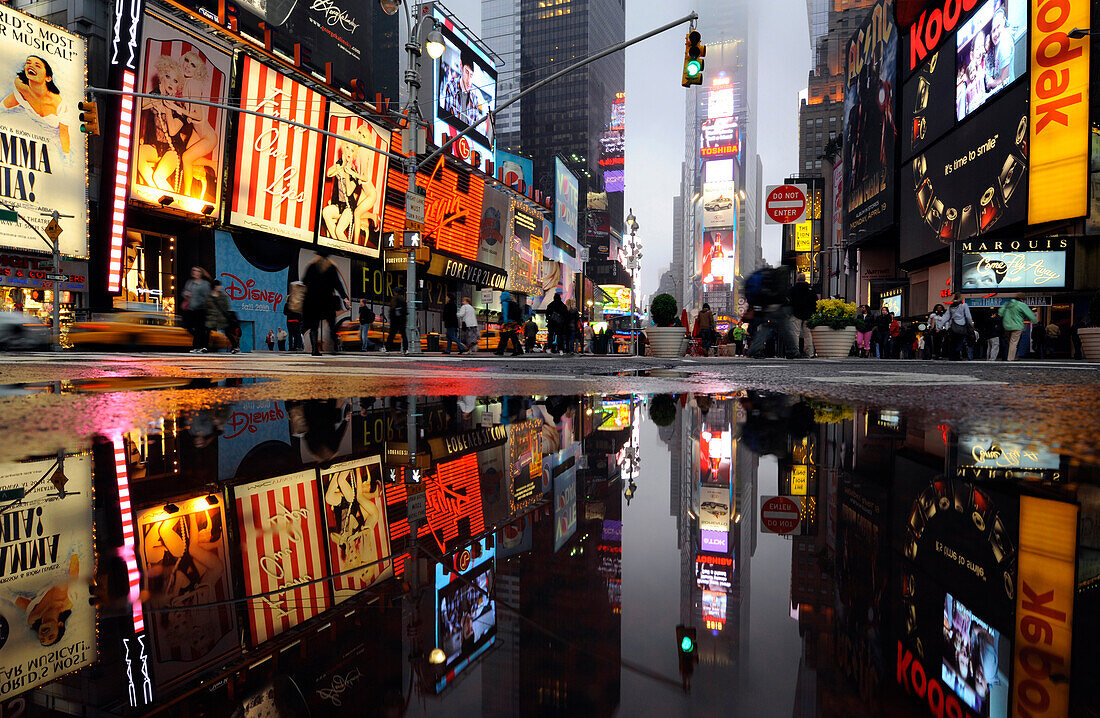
{"type": "Point", "coordinates": [355, 517]}
{"type": "Point", "coordinates": [466, 618]}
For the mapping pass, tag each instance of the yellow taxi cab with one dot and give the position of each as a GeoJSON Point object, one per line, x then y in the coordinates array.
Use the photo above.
{"type": "Point", "coordinates": [348, 332]}
{"type": "Point", "coordinates": [137, 331]}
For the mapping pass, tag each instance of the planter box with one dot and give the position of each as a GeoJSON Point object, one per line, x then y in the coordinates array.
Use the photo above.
{"type": "Point", "coordinates": [832, 343]}
{"type": "Point", "coordinates": [1090, 342]}
{"type": "Point", "coordinates": [666, 342]}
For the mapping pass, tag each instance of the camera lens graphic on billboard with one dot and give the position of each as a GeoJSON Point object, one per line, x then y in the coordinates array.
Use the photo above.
{"type": "Point", "coordinates": [466, 88]}
{"type": "Point", "coordinates": [972, 182]}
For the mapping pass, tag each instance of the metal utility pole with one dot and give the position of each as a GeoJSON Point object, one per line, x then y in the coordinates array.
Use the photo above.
{"type": "Point", "coordinates": [635, 257]}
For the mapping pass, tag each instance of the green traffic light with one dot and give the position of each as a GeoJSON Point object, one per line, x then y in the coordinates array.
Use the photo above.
{"type": "Point", "coordinates": [686, 644]}
{"type": "Point", "coordinates": [694, 67]}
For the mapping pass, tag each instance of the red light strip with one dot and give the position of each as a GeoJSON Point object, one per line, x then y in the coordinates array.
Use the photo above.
{"type": "Point", "coordinates": [122, 173]}
{"type": "Point", "coordinates": [128, 549]}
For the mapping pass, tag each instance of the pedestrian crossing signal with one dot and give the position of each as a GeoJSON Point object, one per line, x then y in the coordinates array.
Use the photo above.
{"type": "Point", "coordinates": [694, 52]}
{"type": "Point", "coordinates": [89, 118]}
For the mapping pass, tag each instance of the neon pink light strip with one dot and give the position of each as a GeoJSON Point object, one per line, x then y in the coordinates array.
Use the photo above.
{"type": "Point", "coordinates": [122, 173]}
{"type": "Point", "coordinates": [128, 549]}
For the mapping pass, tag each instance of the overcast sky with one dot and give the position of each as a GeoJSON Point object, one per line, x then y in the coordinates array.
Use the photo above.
{"type": "Point", "coordinates": [655, 112]}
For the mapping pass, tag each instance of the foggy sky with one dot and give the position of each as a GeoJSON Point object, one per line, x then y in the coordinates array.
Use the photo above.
{"type": "Point", "coordinates": [655, 112]}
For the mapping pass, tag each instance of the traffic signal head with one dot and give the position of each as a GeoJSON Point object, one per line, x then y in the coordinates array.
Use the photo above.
{"type": "Point", "coordinates": [694, 52]}
{"type": "Point", "coordinates": [89, 118]}
{"type": "Point", "coordinates": [685, 641]}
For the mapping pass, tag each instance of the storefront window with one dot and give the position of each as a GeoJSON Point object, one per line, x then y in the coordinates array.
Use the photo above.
{"type": "Point", "coordinates": [149, 271]}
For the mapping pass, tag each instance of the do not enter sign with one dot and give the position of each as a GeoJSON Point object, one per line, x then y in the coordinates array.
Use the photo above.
{"type": "Point", "coordinates": [785, 203]}
{"type": "Point", "coordinates": [779, 515]}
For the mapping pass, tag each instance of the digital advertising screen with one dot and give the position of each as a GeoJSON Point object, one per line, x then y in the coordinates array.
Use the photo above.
{"type": "Point", "coordinates": [870, 130]}
{"type": "Point", "coordinates": [991, 457]}
{"type": "Point", "coordinates": [465, 610]}
{"type": "Point", "coordinates": [466, 83]}
{"type": "Point", "coordinates": [718, 257]}
{"type": "Point", "coordinates": [976, 660]}
{"type": "Point", "coordinates": [515, 169]}
{"type": "Point", "coordinates": [714, 508]}
{"type": "Point", "coordinates": [179, 144]}
{"type": "Point", "coordinates": [719, 206]}
{"type": "Point", "coordinates": [1004, 271]}
{"type": "Point", "coordinates": [566, 206]}
{"type": "Point", "coordinates": [714, 540]}
{"type": "Point", "coordinates": [990, 52]}
{"type": "Point", "coordinates": [971, 182]}
{"type": "Point", "coordinates": [721, 137]}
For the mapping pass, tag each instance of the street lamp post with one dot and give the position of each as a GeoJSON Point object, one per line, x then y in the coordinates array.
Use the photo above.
{"type": "Point", "coordinates": [414, 141]}
{"type": "Point", "coordinates": [632, 264]}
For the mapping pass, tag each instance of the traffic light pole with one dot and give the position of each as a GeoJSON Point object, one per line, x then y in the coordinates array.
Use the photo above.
{"type": "Point", "coordinates": [55, 248]}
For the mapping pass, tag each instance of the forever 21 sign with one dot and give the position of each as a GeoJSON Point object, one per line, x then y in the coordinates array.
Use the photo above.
{"type": "Point", "coordinates": [927, 32]}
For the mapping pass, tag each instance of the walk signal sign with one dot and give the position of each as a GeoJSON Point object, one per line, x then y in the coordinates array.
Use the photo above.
{"type": "Point", "coordinates": [89, 118]}
{"type": "Point", "coordinates": [694, 52]}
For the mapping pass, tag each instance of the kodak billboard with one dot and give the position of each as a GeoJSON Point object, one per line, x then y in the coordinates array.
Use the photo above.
{"type": "Point", "coordinates": [1059, 114]}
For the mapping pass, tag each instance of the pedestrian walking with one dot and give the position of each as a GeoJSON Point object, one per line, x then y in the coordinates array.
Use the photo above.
{"type": "Point", "coordinates": [467, 321]}
{"type": "Point", "coordinates": [589, 338]}
{"type": "Point", "coordinates": [366, 320]}
{"type": "Point", "coordinates": [1039, 339]}
{"type": "Point", "coordinates": [270, 340]}
{"type": "Point", "coordinates": [736, 336]}
{"type": "Point", "coordinates": [325, 295]}
{"type": "Point", "coordinates": [880, 335]}
{"type": "Point", "coordinates": [803, 306]}
{"type": "Point", "coordinates": [865, 324]}
{"type": "Point", "coordinates": [1012, 320]}
{"type": "Point", "coordinates": [530, 335]}
{"type": "Point", "coordinates": [399, 312]}
{"type": "Point", "coordinates": [960, 325]}
{"type": "Point", "coordinates": [557, 316]}
{"type": "Point", "coordinates": [937, 326]}
{"type": "Point", "coordinates": [509, 325]}
{"type": "Point", "coordinates": [195, 293]}
{"type": "Point", "coordinates": [989, 333]}
{"type": "Point", "coordinates": [767, 291]}
{"type": "Point", "coordinates": [704, 327]}
{"type": "Point", "coordinates": [572, 326]}
{"type": "Point", "coordinates": [451, 325]}
{"type": "Point", "coordinates": [896, 343]}
{"type": "Point", "coordinates": [218, 317]}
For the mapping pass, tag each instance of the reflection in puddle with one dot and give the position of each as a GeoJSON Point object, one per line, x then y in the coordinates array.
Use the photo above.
{"type": "Point", "coordinates": [414, 555]}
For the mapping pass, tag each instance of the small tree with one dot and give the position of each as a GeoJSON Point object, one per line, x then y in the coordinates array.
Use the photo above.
{"type": "Point", "coordinates": [662, 409]}
{"type": "Point", "coordinates": [663, 310]}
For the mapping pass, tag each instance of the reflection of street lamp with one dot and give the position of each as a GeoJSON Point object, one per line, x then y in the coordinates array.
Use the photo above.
{"type": "Point", "coordinates": [628, 492]}
{"type": "Point", "coordinates": [632, 264]}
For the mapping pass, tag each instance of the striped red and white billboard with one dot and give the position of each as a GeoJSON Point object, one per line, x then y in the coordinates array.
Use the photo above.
{"type": "Point", "coordinates": [179, 144]}
{"type": "Point", "coordinates": [282, 550]}
{"type": "Point", "coordinates": [277, 164]}
{"type": "Point", "coordinates": [358, 535]}
{"type": "Point", "coordinates": [354, 191]}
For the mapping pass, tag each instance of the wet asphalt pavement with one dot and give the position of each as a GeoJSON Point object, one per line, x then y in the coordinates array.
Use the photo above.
{"type": "Point", "coordinates": [101, 393]}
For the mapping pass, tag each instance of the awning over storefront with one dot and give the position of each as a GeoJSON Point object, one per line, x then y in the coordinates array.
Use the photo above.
{"type": "Point", "coordinates": [449, 266]}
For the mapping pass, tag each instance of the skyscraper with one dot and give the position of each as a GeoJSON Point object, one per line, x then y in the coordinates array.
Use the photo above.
{"type": "Point", "coordinates": [718, 226]}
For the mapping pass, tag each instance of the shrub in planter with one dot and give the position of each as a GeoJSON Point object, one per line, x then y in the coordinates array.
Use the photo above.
{"type": "Point", "coordinates": [833, 313]}
{"type": "Point", "coordinates": [663, 310]}
{"type": "Point", "coordinates": [662, 409]}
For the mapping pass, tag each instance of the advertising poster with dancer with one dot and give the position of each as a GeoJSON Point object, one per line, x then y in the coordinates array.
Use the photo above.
{"type": "Point", "coordinates": [44, 162]}
{"type": "Point", "coordinates": [358, 535]}
{"type": "Point", "coordinates": [354, 190]}
{"type": "Point", "coordinates": [183, 557]}
{"type": "Point", "coordinates": [179, 143]}
{"type": "Point", "coordinates": [47, 558]}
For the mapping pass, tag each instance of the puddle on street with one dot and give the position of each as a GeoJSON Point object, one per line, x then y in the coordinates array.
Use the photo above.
{"type": "Point", "coordinates": [746, 554]}
{"type": "Point", "coordinates": [105, 384]}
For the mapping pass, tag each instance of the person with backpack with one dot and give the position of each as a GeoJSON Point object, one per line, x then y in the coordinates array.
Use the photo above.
{"type": "Point", "coordinates": [989, 332]}
{"type": "Point", "coordinates": [557, 314]}
{"type": "Point", "coordinates": [803, 306]}
{"type": "Point", "coordinates": [509, 325]}
{"type": "Point", "coordinates": [218, 316]}
{"type": "Point", "coordinates": [865, 323]}
{"type": "Point", "coordinates": [767, 291]}
{"type": "Point", "coordinates": [325, 295]}
{"type": "Point", "coordinates": [960, 325]}
{"type": "Point", "coordinates": [704, 328]}
{"type": "Point", "coordinates": [1012, 320]}
{"type": "Point", "coordinates": [467, 321]}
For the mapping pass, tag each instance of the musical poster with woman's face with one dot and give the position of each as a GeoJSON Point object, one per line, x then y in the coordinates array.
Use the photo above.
{"type": "Point", "coordinates": [354, 190]}
{"type": "Point", "coordinates": [43, 153]}
{"type": "Point", "coordinates": [358, 535]}
{"type": "Point", "coordinates": [178, 147]}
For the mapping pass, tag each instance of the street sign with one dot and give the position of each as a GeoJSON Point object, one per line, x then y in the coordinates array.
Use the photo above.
{"type": "Point", "coordinates": [779, 515]}
{"type": "Point", "coordinates": [53, 230]}
{"type": "Point", "coordinates": [414, 208]}
{"type": "Point", "coordinates": [584, 254]}
{"type": "Point", "coordinates": [486, 296]}
{"type": "Point", "coordinates": [57, 277]}
{"type": "Point", "coordinates": [785, 203]}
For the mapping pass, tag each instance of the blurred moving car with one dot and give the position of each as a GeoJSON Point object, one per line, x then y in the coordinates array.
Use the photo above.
{"type": "Point", "coordinates": [348, 332]}
{"type": "Point", "coordinates": [136, 331]}
{"type": "Point", "coordinates": [23, 331]}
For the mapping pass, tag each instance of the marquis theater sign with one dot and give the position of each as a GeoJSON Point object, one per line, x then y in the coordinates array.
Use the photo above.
{"type": "Point", "coordinates": [1059, 111]}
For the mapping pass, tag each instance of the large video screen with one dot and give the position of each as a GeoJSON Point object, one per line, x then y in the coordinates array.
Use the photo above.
{"type": "Point", "coordinates": [467, 89]}
{"type": "Point", "coordinates": [990, 52]}
{"type": "Point", "coordinates": [975, 660]}
{"type": "Point", "coordinates": [1002, 271]}
{"type": "Point", "coordinates": [466, 617]}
